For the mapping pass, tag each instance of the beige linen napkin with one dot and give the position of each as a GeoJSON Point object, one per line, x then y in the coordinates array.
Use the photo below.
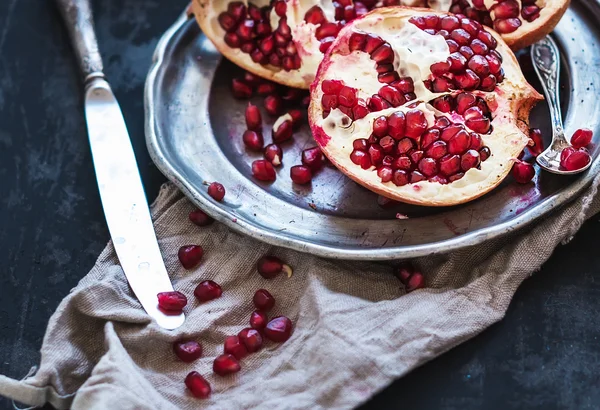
{"type": "Point", "coordinates": [355, 328]}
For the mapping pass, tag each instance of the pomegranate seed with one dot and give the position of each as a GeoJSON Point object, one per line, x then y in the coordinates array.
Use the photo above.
{"type": "Point", "coordinates": [484, 153]}
{"type": "Point", "coordinates": [459, 143]}
{"type": "Point", "coordinates": [197, 385]}
{"type": "Point", "coordinates": [565, 154]}
{"type": "Point", "coordinates": [488, 83]}
{"type": "Point", "coordinates": [416, 123]}
{"type": "Point", "coordinates": [360, 110]}
{"type": "Point", "coordinates": [530, 12]}
{"type": "Point", "coordinates": [347, 96]}
{"type": "Point", "coordinates": [263, 29]}
{"type": "Point", "coordinates": [361, 158]}
{"type": "Point", "coordinates": [227, 22]}
{"type": "Point", "coordinates": [582, 138]}
{"type": "Point", "coordinates": [522, 171]}
{"type": "Point", "coordinates": [400, 177]}
{"type": "Point", "coordinates": [253, 140]}
{"type": "Point", "coordinates": [263, 300]}
{"type": "Point", "coordinates": [380, 126]}
{"type": "Point", "coordinates": [208, 290]}
{"type": "Point", "coordinates": [300, 174]}
{"type": "Point", "coordinates": [470, 159]}
{"type": "Point", "coordinates": [297, 117]}
{"type": "Point", "coordinates": [403, 163]}
{"type": "Point", "coordinates": [232, 40]}
{"type": "Point", "coordinates": [576, 160]}
{"type": "Point", "coordinates": [313, 158]}
{"type": "Point", "coordinates": [279, 329]}
{"type": "Point", "coordinates": [315, 15]}
{"type": "Point", "coordinates": [267, 45]}
{"type": "Point", "coordinates": [360, 144]}
{"type": "Point", "coordinates": [329, 101]}
{"type": "Point", "coordinates": [444, 103]}
{"type": "Point", "coordinates": [440, 68]}
{"type": "Point", "coordinates": [388, 77]}
{"type": "Point", "coordinates": [376, 103]}
{"type": "Point", "coordinates": [416, 281]}
{"type": "Point", "coordinates": [266, 89]}
{"type": "Point", "coordinates": [416, 176]}
{"type": "Point", "coordinates": [449, 23]}
{"type": "Point", "coordinates": [506, 9]}
{"type": "Point", "coordinates": [467, 80]}
{"type": "Point", "coordinates": [190, 256]}
{"type": "Point", "coordinates": [538, 143]}
{"type": "Point", "coordinates": [384, 54]}
{"type": "Point", "coordinates": [428, 167]}
{"type": "Point", "coordinates": [251, 338]}
{"type": "Point", "coordinates": [385, 173]}
{"type": "Point", "coordinates": [280, 8]}
{"type": "Point", "coordinates": [455, 177]}
{"type": "Point", "coordinates": [284, 132]}
{"type": "Point", "coordinates": [273, 105]}
{"type": "Point", "coordinates": [441, 123]}
{"type": "Point", "coordinates": [273, 154]}
{"type": "Point", "coordinates": [450, 164]}
{"type": "Point", "coordinates": [479, 65]}
{"type": "Point", "coordinates": [332, 87]}
{"type": "Point", "coordinates": [507, 26]}
{"type": "Point", "coordinates": [235, 347]}
{"type": "Point", "coordinates": [476, 142]}
{"type": "Point", "coordinates": [216, 191]}
{"type": "Point", "coordinates": [376, 151]}
{"type": "Point", "coordinates": [271, 266]}
{"type": "Point", "coordinates": [405, 85]}
{"type": "Point", "coordinates": [187, 351]}
{"type": "Point", "coordinates": [372, 42]}
{"type": "Point", "coordinates": [357, 41]}
{"type": "Point", "coordinates": [457, 61]}
{"type": "Point", "coordinates": [263, 170]}
{"type": "Point", "coordinates": [200, 218]}
{"type": "Point", "coordinates": [171, 301]}
{"type": "Point", "coordinates": [416, 156]}
{"type": "Point", "coordinates": [240, 89]}
{"type": "Point", "coordinates": [392, 95]}
{"type": "Point", "coordinates": [487, 39]}
{"type": "Point", "coordinates": [325, 44]}
{"type": "Point", "coordinates": [226, 364]}
{"type": "Point", "coordinates": [464, 101]}
{"type": "Point", "coordinates": [437, 150]}
{"type": "Point", "coordinates": [258, 320]}
{"type": "Point", "coordinates": [396, 125]}
{"type": "Point", "coordinates": [461, 36]}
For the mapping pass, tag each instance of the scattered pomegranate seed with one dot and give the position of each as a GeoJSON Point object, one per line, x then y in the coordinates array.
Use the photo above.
{"type": "Point", "coordinates": [297, 118]}
{"type": "Point", "coordinates": [300, 174]}
{"type": "Point", "coordinates": [409, 277]}
{"type": "Point", "coordinates": [283, 132]}
{"type": "Point", "coordinates": [266, 89]}
{"type": "Point", "coordinates": [271, 266]}
{"type": "Point", "coordinates": [208, 290]}
{"type": "Point", "coordinates": [573, 160]}
{"type": "Point", "coordinates": [240, 89]}
{"type": "Point", "coordinates": [197, 385]}
{"type": "Point", "coordinates": [253, 118]}
{"type": "Point", "coordinates": [187, 351]}
{"type": "Point", "coordinates": [263, 170]}
{"type": "Point", "coordinates": [190, 255]}
{"type": "Point", "coordinates": [253, 140]}
{"type": "Point", "coordinates": [200, 218]}
{"type": "Point", "coordinates": [235, 347]}
{"type": "Point", "coordinates": [216, 191]}
{"type": "Point", "coordinates": [582, 138]}
{"type": "Point", "coordinates": [258, 320]}
{"type": "Point", "coordinates": [522, 171]}
{"type": "Point", "coordinates": [404, 271]}
{"type": "Point", "coordinates": [416, 281]}
{"type": "Point", "coordinates": [273, 105]}
{"type": "Point", "coordinates": [171, 301]}
{"type": "Point", "coordinates": [279, 329]}
{"type": "Point", "coordinates": [226, 364]}
{"type": "Point", "coordinates": [313, 158]}
{"type": "Point", "coordinates": [263, 300]}
{"type": "Point", "coordinates": [538, 142]}
{"type": "Point", "coordinates": [251, 339]}
{"type": "Point", "coordinates": [273, 154]}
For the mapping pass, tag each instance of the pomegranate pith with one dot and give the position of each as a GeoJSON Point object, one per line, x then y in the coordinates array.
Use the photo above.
{"type": "Point", "coordinates": [187, 351]}
{"type": "Point", "coordinates": [208, 290]}
{"type": "Point", "coordinates": [197, 385]}
{"type": "Point", "coordinates": [171, 301]}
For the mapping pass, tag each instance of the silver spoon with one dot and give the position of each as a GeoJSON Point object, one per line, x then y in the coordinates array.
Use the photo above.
{"type": "Point", "coordinates": [546, 61]}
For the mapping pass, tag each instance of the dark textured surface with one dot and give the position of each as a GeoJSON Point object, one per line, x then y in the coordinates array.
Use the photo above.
{"type": "Point", "coordinates": [545, 354]}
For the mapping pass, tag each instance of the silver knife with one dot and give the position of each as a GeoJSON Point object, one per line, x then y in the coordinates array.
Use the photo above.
{"type": "Point", "coordinates": [121, 190]}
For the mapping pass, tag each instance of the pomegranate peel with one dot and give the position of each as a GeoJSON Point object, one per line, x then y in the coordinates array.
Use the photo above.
{"type": "Point", "coordinates": [494, 122]}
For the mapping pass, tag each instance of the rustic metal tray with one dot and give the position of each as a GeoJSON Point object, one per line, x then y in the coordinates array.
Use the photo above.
{"type": "Point", "coordinates": [194, 128]}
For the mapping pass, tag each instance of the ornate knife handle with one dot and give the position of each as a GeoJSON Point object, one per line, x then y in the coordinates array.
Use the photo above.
{"type": "Point", "coordinates": [80, 24]}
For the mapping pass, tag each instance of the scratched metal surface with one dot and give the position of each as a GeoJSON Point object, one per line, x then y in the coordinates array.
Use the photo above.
{"type": "Point", "coordinates": [193, 132]}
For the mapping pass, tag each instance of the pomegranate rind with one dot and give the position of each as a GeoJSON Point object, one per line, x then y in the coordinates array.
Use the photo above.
{"type": "Point", "coordinates": [513, 98]}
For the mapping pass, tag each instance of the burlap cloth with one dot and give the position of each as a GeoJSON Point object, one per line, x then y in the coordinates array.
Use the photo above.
{"type": "Point", "coordinates": [355, 328]}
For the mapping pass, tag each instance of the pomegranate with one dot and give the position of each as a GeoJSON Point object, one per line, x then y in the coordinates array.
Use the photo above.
{"type": "Point", "coordinates": [258, 320]}
{"type": "Point", "coordinates": [226, 364]}
{"type": "Point", "coordinates": [438, 129]}
{"type": "Point", "coordinates": [253, 140]}
{"type": "Point", "coordinates": [216, 191]}
{"type": "Point", "coordinates": [235, 347]}
{"type": "Point", "coordinates": [537, 145]}
{"type": "Point", "coordinates": [271, 266]}
{"type": "Point", "coordinates": [581, 138]}
{"type": "Point", "coordinates": [208, 290]}
{"type": "Point", "coordinates": [197, 385]}
{"type": "Point", "coordinates": [263, 300]}
{"type": "Point", "coordinates": [279, 329]}
{"type": "Point", "coordinates": [273, 154]}
{"type": "Point", "coordinates": [187, 351]}
{"type": "Point", "coordinates": [171, 301]}
{"type": "Point", "coordinates": [263, 170]}
{"type": "Point", "coordinates": [253, 118]}
{"type": "Point", "coordinates": [572, 159]}
{"type": "Point", "coordinates": [190, 256]}
{"type": "Point", "coordinates": [300, 174]}
{"type": "Point", "coordinates": [251, 339]}
{"type": "Point", "coordinates": [200, 218]}
{"type": "Point", "coordinates": [522, 171]}
{"type": "Point", "coordinates": [285, 41]}
{"type": "Point", "coordinates": [313, 158]}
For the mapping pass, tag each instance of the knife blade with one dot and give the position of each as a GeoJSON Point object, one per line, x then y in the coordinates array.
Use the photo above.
{"type": "Point", "coordinates": [121, 190]}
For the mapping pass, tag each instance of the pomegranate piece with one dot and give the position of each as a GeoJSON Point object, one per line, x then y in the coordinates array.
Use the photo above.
{"type": "Point", "coordinates": [581, 138]}
{"type": "Point", "coordinates": [271, 266]}
{"type": "Point", "coordinates": [226, 364]}
{"type": "Point", "coordinates": [197, 385]}
{"type": "Point", "coordinates": [263, 170]}
{"type": "Point", "coordinates": [278, 329]}
{"type": "Point", "coordinates": [187, 351]}
{"type": "Point", "coordinates": [200, 218]}
{"type": "Point", "coordinates": [253, 118]}
{"type": "Point", "coordinates": [216, 191]}
{"type": "Point", "coordinates": [190, 256]}
{"type": "Point", "coordinates": [574, 159]}
{"type": "Point", "coordinates": [235, 347]}
{"type": "Point", "coordinates": [208, 290]}
{"type": "Point", "coordinates": [273, 154]}
{"type": "Point", "coordinates": [263, 300]}
{"type": "Point", "coordinates": [253, 140]}
{"type": "Point", "coordinates": [523, 172]}
{"type": "Point", "coordinates": [258, 320]}
{"type": "Point", "coordinates": [300, 174]}
{"type": "Point", "coordinates": [171, 301]}
{"type": "Point", "coordinates": [251, 338]}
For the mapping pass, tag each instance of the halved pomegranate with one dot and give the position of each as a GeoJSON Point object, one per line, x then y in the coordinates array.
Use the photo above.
{"type": "Point", "coordinates": [284, 40]}
{"type": "Point", "coordinates": [398, 108]}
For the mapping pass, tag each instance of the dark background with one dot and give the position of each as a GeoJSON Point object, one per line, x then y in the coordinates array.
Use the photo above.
{"type": "Point", "coordinates": [543, 355]}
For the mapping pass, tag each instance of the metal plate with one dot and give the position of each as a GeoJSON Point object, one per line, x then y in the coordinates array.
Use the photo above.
{"type": "Point", "coordinates": [194, 128]}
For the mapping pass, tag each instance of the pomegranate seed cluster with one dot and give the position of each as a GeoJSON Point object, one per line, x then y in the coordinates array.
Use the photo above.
{"type": "Point", "coordinates": [508, 15]}
{"type": "Point", "coordinates": [473, 63]}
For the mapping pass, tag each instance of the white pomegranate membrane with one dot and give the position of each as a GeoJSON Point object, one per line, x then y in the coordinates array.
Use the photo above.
{"type": "Point", "coordinates": [409, 105]}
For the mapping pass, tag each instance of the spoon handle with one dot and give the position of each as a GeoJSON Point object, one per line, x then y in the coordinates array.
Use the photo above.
{"type": "Point", "coordinates": [546, 61]}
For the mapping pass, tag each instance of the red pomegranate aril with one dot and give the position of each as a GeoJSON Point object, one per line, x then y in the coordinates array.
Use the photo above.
{"type": "Point", "coordinates": [258, 57]}
{"type": "Point", "coordinates": [450, 164]}
{"type": "Point", "coordinates": [265, 89]}
{"type": "Point", "coordinates": [487, 39]}
{"type": "Point", "coordinates": [416, 123]}
{"type": "Point", "coordinates": [300, 174]}
{"type": "Point", "coordinates": [400, 177]}
{"type": "Point", "coordinates": [273, 105]}
{"type": "Point", "coordinates": [488, 83]}
{"type": "Point", "coordinates": [235, 347]}
{"type": "Point", "coordinates": [416, 281]}
{"type": "Point", "coordinates": [480, 125]}
{"type": "Point", "coordinates": [429, 137]}
{"type": "Point", "coordinates": [459, 143]}
{"type": "Point", "coordinates": [384, 68]}
{"type": "Point", "coordinates": [326, 30]}
{"type": "Point", "coordinates": [241, 90]}
{"type": "Point", "coordinates": [357, 41]}
{"type": "Point", "coordinates": [190, 256]}
{"type": "Point", "coordinates": [392, 95]}
{"type": "Point", "coordinates": [470, 159]}
{"type": "Point", "coordinates": [346, 110]}
{"type": "Point", "coordinates": [441, 85]}
{"type": "Point", "coordinates": [380, 126]}
{"type": "Point", "coordinates": [582, 138]}
{"type": "Point", "coordinates": [428, 167]}
{"type": "Point", "coordinates": [271, 266]}
{"type": "Point", "coordinates": [251, 338]}
{"type": "Point", "coordinates": [376, 103]}
{"type": "Point", "coordinates": [329, 101]}
{"type": "Point", "coordinates": [361, 158]}
{"type": "Point", "coordinates": [452, 45]}
{"type": "Point", "coordinates": [507, 26]}
{"type": "Point", "coordinates": [347, 96]}
{"type": "Point", "coordinates": [331, 86]}
{"type": "Point", "coordinates": [246, 30]}
{"type": "Point", "coordinates": [360, 110]}
{"type": "Point", "coordinates": [450, 131]}
{"type": "Point", "coordinates": [360, 144]}
{"type": "Point", "coordinates": [284, 132]}
{"type": "Point", "coordinates": [468, 80]}
{"type": "Point", "coordinates": [187, 351]}
{"type": "Point", "coordinates": [470, 26]}
{"type": "Point", "coordinates": [449, 23]}
{"type": "Point", "coordinates": [388, 78]}
{"type": "Point", "coordinates": [253, 118]}
{"type": "Point", "coordinates": [171, 301]}
{"type": "Point", "coordinates": [255, 13]}
{"type": "Point", "coordinates": [313, 158]}
{"type": "Point", "coordinates": [437, 150]}
{"type": "Point", "coordinates": [441, 123]}
{"type": "Point", "coordinates": [197, 385]}
{"type": "Point", "coordinates": [263, 170]}
{"type": "Point", "coordinates": [315, 15]}
{"type": "Point", "coordinates": [273, 154]}
{"type": "Point", "coordinates": [457, 61]}
{"type": "Point", "coordinates": [538, 143]}
{"type": "Point", "coordinates": [232, 40]}
{"type": "Point", "coordinates": [444, 103]}
{"type": "Point", "coordinates": [377, 152]}
{"type": "Point", "coordinates": [461, 36]}
{"type": "Point", "coordinates": [476, 142]}
{"type": "Point", "coordinates": [200, 218]}
{"type": "Point", "coordinates": [466, 51]}
{"type": "Point", "coordinates": [479, 47]}
{"type": "Point", "coordinates": [456, 177]}
{"type": "Point", "coordinates": [227, 22]}
{"type": "Point", "coordinates": [484, 153]}
{"type": "Point", "coordinates": [464, 101]}
{"type": "Point", "coordinates": [263, 300]}
{"type": "Point", "coordinates": [325, 44]}
{"type": "Point", "coordinates": [405, 145]}
{"type": "Point", "coordinates": [403, 163]}
{"type": "Point", "coordinates": [405, 85]}
{"type": "Point", "coordinates": [372, 42]}
{"type": "Point", "coordinates": [565, 154]}
{"type": "Point", "coordinates": [577, 159]}
{"type": "Point", "coordinates": [387, 160]}
{"type": "Point", "coordinates": [253, 140]}
{"type": "Point", "coordinates": [523, 172]}
{"type": "Point", "coordinates": [479, 65]}
{"type": "Point", "coordinates": [297, 118]}
{"type": "Point", "coordinates": [258, 320]}
{"type": "Point", "coordinates": [385, 173]}
{"type": "Point", "coordinates": [226, 364]}
{"type": "Point", "coordinates": [208, 290]}
{"type": "Point", "coordinates": [267, 45]}
{"type": "Point", "coordinates": [396, 125]}
{"type": "Point", "coordinates": [415, 156]}
{"type": "Point", "coordinates": [505, 9]}
{"type": "Point", "coordinates": [278, 329]}
{"type": "Point", "coordinates": [237, 10]}
{"type": "Point", "coordinates": [263, 29]}
{"type": "Point", "coordinates": [383, 54]}
{"type": "Point", "coordinates": [530, 12]}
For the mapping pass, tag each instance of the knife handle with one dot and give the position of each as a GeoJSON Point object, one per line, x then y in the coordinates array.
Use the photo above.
{"type": "Point", "coordinates": [79, 20]}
